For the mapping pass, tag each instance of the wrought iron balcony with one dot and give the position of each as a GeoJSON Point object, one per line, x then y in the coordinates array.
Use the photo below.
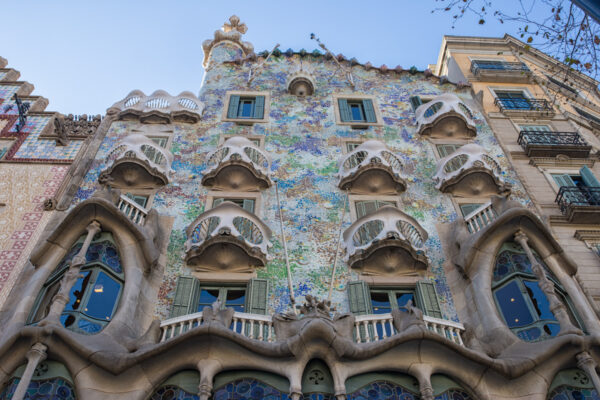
{"type": "Point", "coordinates": [386, 242]}
{"type": "Point", "coordinates": [524, 105]}
{"type": "Point", "coordinates": [580, 204]}
{"type": "Point", "coordinates": [371, 168]}
{"type": "Point", "coordinates": [501, 71]}
{"type": "Point", "coordinates": [550, 144]}
{"type": "Point", "coordinates": [469, 171]}
{"type": "Point", "coordinates": [238, 164]}
{"type": "Point", "coordinates": [446, 116]}
{"type": "Point", "coordinates": [137, 162]}
{"type": "Point", "coordinates": [227, 238]}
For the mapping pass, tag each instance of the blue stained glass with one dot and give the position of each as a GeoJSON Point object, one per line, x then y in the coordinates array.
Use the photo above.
{"type": "Point", "coordinates": [104, 295]}
{"type": "Point", "coordinates": [539, 299]}
{"type": "Point", "coordinates": [512, 305]}
{"type": "Point", "coordinates": [170, 392]}
{"type": "Point", "coordinates": [380, 390]}
{"type": "Point", "coordinates": [48, 389]}
{"type": "Point", "coordinates": [571, 393]}
{"type": "Point", "coordinates": [248, 389]}
{"type": "Point", "coordinates": [454, 394]}
{"type": "Point", "coordinates": [531, 334]}
{"type": "Point", "coordinates": [105, 252]}
{"type": "Point", "coordinates": [88, 326]}
{"type": "Point", "coordinates": [77, 291]}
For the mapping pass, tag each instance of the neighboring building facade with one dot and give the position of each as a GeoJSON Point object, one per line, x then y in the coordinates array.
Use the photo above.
{"type": "Point", "coordinates": [307, 227]}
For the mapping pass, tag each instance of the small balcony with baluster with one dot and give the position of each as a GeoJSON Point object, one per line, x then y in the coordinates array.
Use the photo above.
{"type": "Point", "coordinates": [500, 71]}
{"type": "Point", "coordinates": [227, 238]}
{"type": "Point", "coordinates": [137, 162]}
{"type": "Point", "coordinates": [371, 168]}
{"type": "Point", "coordinates": [386, 242]}
{"type": "Point", "coordinates": [238, 164]}
{"type": "Point", "coordinates": [579, 204]}
{"type": "Point", "coordinates": [445, 116]}
{"type": "Point", "coordinates": [470, 171]}
{"type": "Point", "coordinates": [551, 144]}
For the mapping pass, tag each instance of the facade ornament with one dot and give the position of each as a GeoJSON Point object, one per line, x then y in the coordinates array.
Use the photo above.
{"type": "Point", "coordinates": [59, 130]}
{"type": "Point", "coordinates": [403, 320]}
{"type": "Point", "coordinates": [22, 108]}
{"type": "Point", "coordinates": [215, 313]}
{"type": "Point", "coordinates": [159, 107]}
{"type": "Point", "coordinates": [35, 355]}
{"type": "Point", "coordinates": [49, 204]}
{"type": "Point", "coordinates": [74, 127]}
{"type": "Point", "coordinates": [547, 286]}
{"type": "Point", "coordinates": [312, 307]}
{"type": "Point", "coordinates": [587, 363]}
{"type": "Point", "coordinates": [230, 32]}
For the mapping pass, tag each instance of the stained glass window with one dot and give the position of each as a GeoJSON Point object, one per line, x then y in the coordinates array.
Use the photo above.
{"type": "Point", "coordinates": [171, 392]}
{"type": "Point", "coordinates": [454, 394]}
{"type": "Point", "coordinates": [519, 298]}
{"type": "Point", "coordinates": [55, 389]}
{"type": "Point", "coordinates": [247, 389]}
{"type": "Point", "coordinates": [381, 390]}
{"type": "Point", "coordinates": [94, 296]}
{"type": "Point", "coordinates": [572, 384]}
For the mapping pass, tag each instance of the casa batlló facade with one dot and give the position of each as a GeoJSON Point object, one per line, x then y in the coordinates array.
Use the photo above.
{"type": "Point", "coordinates": [307, 227]}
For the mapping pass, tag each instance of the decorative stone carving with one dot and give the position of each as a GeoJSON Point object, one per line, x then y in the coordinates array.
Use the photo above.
{"type": "Point", "coordinates": [137, 162]}
{"type": "Point", "coordinates": [469, 171]}
{"type": "Point", "coordinates": [371, 169]}
{"type": "Point", "coordinates": [227, 238]}
{"type": "Point", "coordinates": [301, 82]}
{"type": "Point", "coordinates": [71, 127]}
{"type": "Point", "coordinates": [230, 32]}
{"type": "Point", "coordinates": [216, 314]}
{"type": "Point", "coordinates": [159, 107]}
{"type": "Point", "coordinates": [238, 165]}
{"type": "Point", "coordinates": [386, 242]}
{"type": "Point", "coordinates": [413, 316]}
{"type": "Point", "coordinates": [445, 116]}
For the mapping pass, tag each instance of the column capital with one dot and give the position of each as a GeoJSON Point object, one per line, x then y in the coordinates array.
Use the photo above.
{"type": "Point", "coordinates": [94, 227]}
{"type": "Point", "coordinates": [521, 237]}
{"type": "Point", "coordinates": [585, 361]}
{"type": "Point", "coordinates": [37, 353]}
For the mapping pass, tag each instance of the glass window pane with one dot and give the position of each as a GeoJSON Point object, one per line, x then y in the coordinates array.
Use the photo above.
{"type": "Point", "coordinates": [161, 141]}
{"type": "Point", "coordinates": [357, 112]}
{"type": "Point", "coordinates": [78, 291]}
{"type": "Point", "coordinates": [403, 298]}
{"type": "Point", "coordinates": [236, 299]}
{"type": "Point", "coordinates": [246, 108]}
{"type": "Point", "coordinates": [380, 302]}
{"type": "Point", "coordinates": [513, 306]}
{"type": "Point", "coordinates": [104, 295]}
{"type": "Point", "coordinates": [207, 297]}
{"type": "Point", "coordinates": [350, 146]}
{"type": "Point", "coordinates": [539, 300]}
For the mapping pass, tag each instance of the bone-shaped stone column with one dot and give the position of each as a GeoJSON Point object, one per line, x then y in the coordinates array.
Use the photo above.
{"type": "Point", "coordinates": [35, 355]}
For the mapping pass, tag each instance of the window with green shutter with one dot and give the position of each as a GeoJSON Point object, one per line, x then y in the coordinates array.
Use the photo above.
{"type": "Point", "coordinates": [427, 299]}
{"type": "Point", "coordinates": [588, 177]}
{"type": "Point", "coordinates": [357, 110]}
{"type": "Point", "coordinates": [358, 298]}
{"type": "Point", "coordinates": [246, 107]}
{"type": "Point", "coordinates": [185, 294]}
{"type": "Point", "coordinates": [415, 102]}
{"type": "Point", "coordinates": [384, 300]}
{"type": "Point", "coordinates": [258, 292]}
{"type": "Point", "coordinates": [229, 296]}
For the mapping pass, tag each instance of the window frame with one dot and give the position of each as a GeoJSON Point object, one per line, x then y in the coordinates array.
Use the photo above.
{"type": "Point", "coordinates": [223, 288]}
{"type": "Point", "coordinates": [390, 291]}
{"type": "Point", "coordinates": [245, 120]}
{"type": "Point", "coordinates": [223, 137]}
{"type": "Point", "coordinates": [355, 98]}
{"type": "Point", "coordinates": [354, 198]}
{"type": "Point", "coordinates": [213, 195]}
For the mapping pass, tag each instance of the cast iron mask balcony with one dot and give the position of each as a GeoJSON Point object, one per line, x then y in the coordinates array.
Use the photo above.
{"type": "Point", "coordinates": [227, 238]}
{"type": "Point", "coordinates": [469, 171]}
{"type": "Point", "coordinates": [580, 204]}
{"type": "Point", "coordinates": [551, 144]}
{"type": "Point", "coordinates": [446, 116]}
{"type": "Point", "coordinates": [520, 106]}
{"type": "Point", "coordinates": [371, 169]}
{"type": "Point", "coordinates": [500, 71]}
{"type": "Point", "coordinates": [238, 164]}
{"type": "Point", "coordinates": [386, 242]}
{"type": "Point", "coordinates": [138, 162]}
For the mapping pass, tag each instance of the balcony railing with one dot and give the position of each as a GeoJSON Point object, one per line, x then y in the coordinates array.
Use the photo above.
{"type": "Point", "coordinates": [504, 66]}
{"type": "Point", "coordinates": [577, 196]}
{"type": "Point", "coordinates": [376, 327]}
{"type": "Point", "coordinates": [445, 116]}
{"type": "Point", "coordinates": [132, 210]}
{"type": "Point", "coordinates": [253, 326]}
{"type": "Point", "coordinates": [523, 104]}
{"type": "Point", "coordinates": [367, 328]}
{"type": "Point", "coordinates": [550, 144]}
{"type": "Point", "coordinates": [480, 218]}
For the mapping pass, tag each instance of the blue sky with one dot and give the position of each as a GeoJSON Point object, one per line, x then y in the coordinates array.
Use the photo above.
{"type": "Point", "coordinates": [84, 56]}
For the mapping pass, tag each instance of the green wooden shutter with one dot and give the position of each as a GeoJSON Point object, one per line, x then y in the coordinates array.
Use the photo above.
{"type": "Point", "coordinates": [359, 298]}
{"type": "Point", "coordinates": [185, 294]}
{"type": "Point", "coordinates": [259, 107]}
{"type": "Point", "coordinates": [415, 102]}
{"type": "Point", "coordinates": [468, 208]}
{"type": "Point", "coordinates": [256, 296]}
{"type": "Point", "coordinates": [563, 180]}
{"type": "Point", "coordinates": [234, 105]}
{"type": "Point", "coordinates": [588, 177]}
{"type": "Point", "coordinates": [345, 114]}
{"type": "Point", "coordinates": [370, 115]}
{"type": "Point", "coordinates": [248, 205]}
{"type": "Point", "coordinates": [428, 300]}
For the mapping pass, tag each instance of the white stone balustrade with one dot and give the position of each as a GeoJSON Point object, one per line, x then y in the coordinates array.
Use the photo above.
{"type": "Point", "coordinates": [468, 158]}
{"type": "Point", "coordinates": [142, 148]}
{"type": "Point", "coordinates": [253, 326]}
{"type": "Point", "coordinates": [229, 219]}
{"type": "Point", "coordinates": [480, 218]}
{"type": "Point", "coordinates": [132, 210]}
{"type": "Point", "coordinates": [448, 109]}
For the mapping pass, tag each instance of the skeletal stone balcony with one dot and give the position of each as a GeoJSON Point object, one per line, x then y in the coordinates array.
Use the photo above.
{"type": "Point", "coordinates": [551, 144]}
{"type": "Point", "coordinates": [238, 164]}
{"type": "Point", "coordinates": [386, 242]}
{"type": "Point", "coordinates": [500, 71]}
{"type": "Point", "coordinates": [160, 107]}
{"type": "Point", "coordinates": [137, 162]}
{"type": "Point", "coordinates": [469, 171]}
{"type": "Point", "coordinates": [371, 169]}
{"type": "Point", "coordinates": [445, 117]}
{"type": "Point", "coordinates": [581, 205]}
{"type": "Point", "coordinates": [227, 238]}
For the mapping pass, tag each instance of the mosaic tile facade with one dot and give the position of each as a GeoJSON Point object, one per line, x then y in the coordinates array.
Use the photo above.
{"type": "Point", "coordinates": [305, 144]}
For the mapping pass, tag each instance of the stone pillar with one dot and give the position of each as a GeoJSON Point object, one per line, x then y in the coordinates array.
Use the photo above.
{"type": "Point", "coordinates": [556, 306]}
{"type": "Point", "coordinates": [204, 390]}
{"type": "Point", "coordinates": [61, 299]}
{"type": "Point", "coordinates": [35, 355]}
{"type": "Point", "coordinates": [587, 363]}
{"type": "Point", "coordinates": [423, 374]}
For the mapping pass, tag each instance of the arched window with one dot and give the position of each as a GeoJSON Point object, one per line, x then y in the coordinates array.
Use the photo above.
{"type": "Point", "coordinates": [375, 386]}
{"type": "Point", "coordinates": [51, 380]}
{"type": "Point", "coordinates": [236, 385]}
{"type": "Point", "coordinates": [445, 388]}
{"type": "Point", "coordinates": [519, 298]}
{"type": "Point", "coordinates": [572, 384]}
{"type": "Point", "coordinates": [181, 386]}
{"type": "Point", "coordinates": [94, 296]}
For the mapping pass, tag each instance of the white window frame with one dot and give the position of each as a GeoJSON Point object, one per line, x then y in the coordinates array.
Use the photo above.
{"type": "Point", "coordinates": [215, 194]}
{"type": "Point", "coordinates": [353, 198]}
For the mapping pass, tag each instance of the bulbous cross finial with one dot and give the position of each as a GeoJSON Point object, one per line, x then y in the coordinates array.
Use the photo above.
{"type": "Point", "coordinates": [234, 24]}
